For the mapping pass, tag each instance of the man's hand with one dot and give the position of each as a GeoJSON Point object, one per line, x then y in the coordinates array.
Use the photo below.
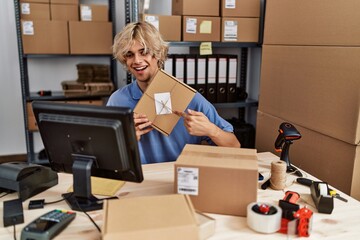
{"type": "Point", "coordinates": [197, 124]}
{"type": "Point", "coordinates": [142, 125]}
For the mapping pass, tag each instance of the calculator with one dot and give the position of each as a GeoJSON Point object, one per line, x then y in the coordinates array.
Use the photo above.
{"type": "Point", "coordinates": [48, 225]}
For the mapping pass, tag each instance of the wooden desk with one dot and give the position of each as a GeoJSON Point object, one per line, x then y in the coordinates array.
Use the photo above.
{"type": "Point", "coordinates": [343, 223]}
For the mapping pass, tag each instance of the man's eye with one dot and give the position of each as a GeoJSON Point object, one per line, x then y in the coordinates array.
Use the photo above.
{"type": "Point", "coordinates": [128, 55]}
{"type": "Point", "coordinates": [144, 53]}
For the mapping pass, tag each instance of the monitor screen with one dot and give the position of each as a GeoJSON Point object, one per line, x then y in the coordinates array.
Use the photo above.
{"type": "Point", "coordinates": [89, 140]}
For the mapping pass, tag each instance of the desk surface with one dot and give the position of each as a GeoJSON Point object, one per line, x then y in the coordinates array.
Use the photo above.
{"type": "Point", "coordinates": [344, 222]}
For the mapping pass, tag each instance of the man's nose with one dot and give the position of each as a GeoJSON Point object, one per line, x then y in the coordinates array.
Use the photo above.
{"type": "Point", "coordinates": [138, 58]}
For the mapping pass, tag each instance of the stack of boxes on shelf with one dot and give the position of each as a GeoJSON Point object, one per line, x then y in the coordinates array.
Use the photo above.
{"type": "Point", "coordinates": [65, 27]}
{"type": "Point", "coordinates": [93, 80]}
{"type": "Point", "coordinates": [310, 78]}
{"type": "Point", "coordinates": [210, 20]}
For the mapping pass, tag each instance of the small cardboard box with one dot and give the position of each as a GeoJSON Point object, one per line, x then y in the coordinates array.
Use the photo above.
{"type": "Point", "coordinates": [331, 160]}
{"type": "Point", "coordinates": [196, 8]}
{"type": "Point", "coordinates": [168, 26]}
{"type": "Point", "coordinates": [90, 37]}
{"type": "Point", "coordinates": [240, 8]}
{"type": "Point", "coordinates": [219, 180]}
{"type": "Point", "coordinates": [94, 12]}
{"type": "Point", "coordinates": [45, 37]}
{"type": "Point", "coordinates": [150, 217]}
{"type": "Point", "coordinates": [199, 29]}
{"type": "Point", "coordinates": [34, 11]}
{"type": "Point", "coordinates": [312, 22]}
{"type": "Point", "coordinates": [64, 12]}
{"type": "Point", "coordinates": [240, 29]}
{"type": "Point", "coordinates": [163, 96]}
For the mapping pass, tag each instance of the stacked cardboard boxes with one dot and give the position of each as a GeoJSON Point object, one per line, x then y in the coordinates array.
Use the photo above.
{"type": "Point", "coordinates": [310, 78]}
{"type": "Point", "coordinates": [53, 27]}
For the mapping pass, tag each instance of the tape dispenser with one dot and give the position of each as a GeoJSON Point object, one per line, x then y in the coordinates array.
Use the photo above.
{"type": "Point", "coordinates": [324, 202]}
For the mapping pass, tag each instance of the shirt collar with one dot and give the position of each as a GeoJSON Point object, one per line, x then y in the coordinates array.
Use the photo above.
{"type": "Point", "coordinates": [136, 91]}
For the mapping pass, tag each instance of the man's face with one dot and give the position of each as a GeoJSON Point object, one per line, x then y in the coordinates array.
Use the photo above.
{"type": "Point", "coordinates": [140, 63]}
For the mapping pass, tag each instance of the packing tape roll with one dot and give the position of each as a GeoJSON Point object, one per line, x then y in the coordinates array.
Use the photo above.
{"type": "Point", "coordinates": [258, 221]}
{"type": "Point", "coordinates": [323, 189]}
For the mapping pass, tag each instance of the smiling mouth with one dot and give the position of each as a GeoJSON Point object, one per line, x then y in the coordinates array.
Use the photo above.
{"type": "Point", "coordinates": [140, 68]}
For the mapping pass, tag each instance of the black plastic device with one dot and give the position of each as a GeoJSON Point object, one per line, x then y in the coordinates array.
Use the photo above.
{"type": "Point", "coordinates": [89, 140]}
{"type": "Point", "coordinates": [13, 212]}
{"type": "Point", "coordinates": [48, 225]}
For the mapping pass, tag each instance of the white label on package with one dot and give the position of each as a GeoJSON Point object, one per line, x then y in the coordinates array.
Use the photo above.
{"type": "Point", "coordinates": [191, 25]}
{"type": "Point", "coordinates": [162, 103]}
{"type": "Point", "coordinates": [188, 180]}
{"type": "Point", "coordinates": [154, 20]}
{"type": "Point", "coordinates": [28, 28]}
{"type": "Point", "coordinates": [86, 14]}
{"type": "Point", "coordinates": [230, 3]}
{"type": "Point", "coordinates": [25, 8]}
{"type": "Point", "coordinates": [230, 30]}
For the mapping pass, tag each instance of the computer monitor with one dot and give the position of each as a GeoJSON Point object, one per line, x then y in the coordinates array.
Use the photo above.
{"type": "Point", "coordinates": [89, 140]}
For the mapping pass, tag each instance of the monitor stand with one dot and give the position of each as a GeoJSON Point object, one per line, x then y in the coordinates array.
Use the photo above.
{"type": "Point", "coordinates": [81, 199]}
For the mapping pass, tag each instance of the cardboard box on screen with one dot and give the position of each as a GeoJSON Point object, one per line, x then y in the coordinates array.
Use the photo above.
{"type": "Point", "coordinates": [159, 217]}
{"type": "Point", "coordinates": [219, 180]}
{"type": "Point", "coordinates": [163, 96]}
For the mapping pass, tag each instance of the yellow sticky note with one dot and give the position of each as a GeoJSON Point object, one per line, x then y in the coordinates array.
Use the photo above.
{"type": "Point", "coordinates": [205, 27]}
{"type": "Point", "coordinates": [205, 48]}
{"type": "Point", "coordinates": [104, 186]}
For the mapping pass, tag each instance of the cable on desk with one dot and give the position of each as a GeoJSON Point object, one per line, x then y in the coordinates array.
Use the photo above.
{"type": "Point", "coordinates": [5, 193]}
{"type": "Point", "coordinates": [14, 232]}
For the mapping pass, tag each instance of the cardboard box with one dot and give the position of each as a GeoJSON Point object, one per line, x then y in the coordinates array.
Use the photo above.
{"type": "Point", "coordinates": [196, 8]}
{"type": "Point", "coordinates": [315, 87]}
{"type": "Point", "coordinates": [34, 11]}
{"type": "Point", "coordinates": [75, 2]}
{"type": "Point", "coordinates": [169, 26]}
{"type": "Point", "coordinates": [219, 180]}
{"type": "Point", "coordinates": [163, 96]}
{"type": "Point", "coordinates": [94, 12]}
{"type": "Point", "coordinates": [151, 217]}
{"type": "Point", "coordinates": [201, 28]}
{"type": "Point", "coordinates": [45, 37]}
{"type": "Point", "coordinates": [240, 29]}
{"type": "Point", "coordinates": [90, 37]}
{"type": "Point", "coordinates": [64, 12]}
{"type": "Point", "coordinates": [326, 158]}
{"type": "Point", "coordinates": [312, 22]}
{"type": "Point", "coordinates": [240, 8]}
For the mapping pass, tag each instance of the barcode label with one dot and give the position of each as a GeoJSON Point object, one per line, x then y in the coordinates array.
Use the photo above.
{"type": "Point", "coordinates": [188, 181]}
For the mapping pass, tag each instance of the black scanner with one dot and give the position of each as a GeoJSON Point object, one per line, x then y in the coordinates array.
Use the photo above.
{"type": "Point", "coordinates": [26, 179]}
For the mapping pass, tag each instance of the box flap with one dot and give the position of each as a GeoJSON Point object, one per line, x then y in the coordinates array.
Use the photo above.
{"type": "Point", "coordinates": [219, 157]}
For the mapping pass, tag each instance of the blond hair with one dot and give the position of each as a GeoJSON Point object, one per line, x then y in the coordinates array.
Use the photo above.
{"type": "Point", "coordinates": [147, 35]}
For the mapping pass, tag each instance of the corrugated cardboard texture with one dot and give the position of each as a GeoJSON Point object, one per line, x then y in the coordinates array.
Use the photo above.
{"type": "Point", "coordinates": [197, 8]}
{"type": "Point", "coordinates": [65, 12]}
{"type": "Point", "coordinates": [312, 22]}
{"type": "Point", "coordinates": [35, 1]}
{"type": "Point", "coordinates": [169, 26]}
{"type": "Point", "coordinates": [65, 1]}
{"type": "Point", "coordinates": [152, 217]}
{"type": "Point", "coordinates": [247, 29]}
{"type": "Point", "coordinates": [90, 37]}
{"type": "Point", "coordinates": [243, 8]}
{"type": "Point", "coordinates": [37, 11]}
{"type": "Point", "coordinates": [180, 94]}
{"type": "Point", "coordinates": [99, 13]}
{"type": "Point", "coordinates": [212, 35]}
{"type": "Point", "coordinates": [50, 37]}
{"type": "Point", "coordinates": [326, 158]}
{"type": "Point", "coordinates": [315, 87]}
{"type": "Point", "coordinates": [228, 177]}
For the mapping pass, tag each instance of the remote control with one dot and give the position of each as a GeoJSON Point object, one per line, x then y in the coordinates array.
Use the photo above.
{"type": "Point", "coordinates": [47, 225]}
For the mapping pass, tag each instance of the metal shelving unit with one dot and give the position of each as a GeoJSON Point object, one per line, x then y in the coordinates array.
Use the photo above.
{"type": "Point", "coordinates": [28, 96]}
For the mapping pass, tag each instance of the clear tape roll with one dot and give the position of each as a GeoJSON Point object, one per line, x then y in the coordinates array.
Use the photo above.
{"type": "Point", "coordinates": [263, 223]}
{"type": "Point", "coordinates": [323, 189]}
